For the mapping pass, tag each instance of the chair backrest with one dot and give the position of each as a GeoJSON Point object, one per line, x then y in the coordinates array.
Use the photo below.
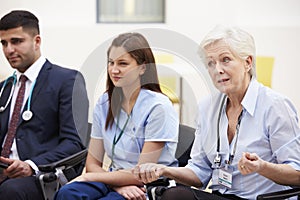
{"type": "Point", "coordinates": [185, 143]}
{"type": "Point", "coordinates": [85, 138]}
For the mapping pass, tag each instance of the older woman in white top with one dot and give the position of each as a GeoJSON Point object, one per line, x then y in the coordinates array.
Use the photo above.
{"type": "Point", "coordinates": [247, 138]}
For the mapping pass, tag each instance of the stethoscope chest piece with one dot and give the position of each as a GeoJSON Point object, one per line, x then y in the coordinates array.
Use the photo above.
{"type": "Point", "coordinates": [27, 115]}
{"type": "Point", "coordinates": [2, 108]}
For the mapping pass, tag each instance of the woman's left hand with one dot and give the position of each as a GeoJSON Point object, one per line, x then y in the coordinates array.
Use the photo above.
{"type": "Point", "coordinates": [131, 192]}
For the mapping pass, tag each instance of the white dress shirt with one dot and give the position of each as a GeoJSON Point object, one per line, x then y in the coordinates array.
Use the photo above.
{"type": "Point", "coordinates": [31, 73]}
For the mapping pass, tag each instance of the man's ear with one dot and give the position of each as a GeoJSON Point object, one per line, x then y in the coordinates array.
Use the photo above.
{"type": "Point", "coordinates": [37, 40]}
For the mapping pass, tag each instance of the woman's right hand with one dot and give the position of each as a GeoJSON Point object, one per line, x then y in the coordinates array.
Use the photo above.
{"type": "Point", "coordinates": [148, 172]}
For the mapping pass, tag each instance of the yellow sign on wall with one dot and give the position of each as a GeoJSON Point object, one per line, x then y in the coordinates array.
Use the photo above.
{"type": "Point", "coordinates": [168, 87]}
{"type": "Point", "coordinates": [264, 69]}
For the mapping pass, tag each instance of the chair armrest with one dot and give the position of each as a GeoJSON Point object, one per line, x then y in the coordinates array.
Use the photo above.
{"type": "Point", "coordinates": [66, 162]}
{"type": "Point", "coordinates": [280, 194]}
{"type": "Point", "coordinates": [161, 181]}
{"type": "Point", "coordinates": [157, 188]}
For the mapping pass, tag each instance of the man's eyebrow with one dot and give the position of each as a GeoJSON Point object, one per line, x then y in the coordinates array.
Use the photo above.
{"type": "Point", "coordinates": [17, 38]}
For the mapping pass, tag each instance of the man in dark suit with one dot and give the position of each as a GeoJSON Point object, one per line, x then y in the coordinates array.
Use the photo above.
{"type": "Point", "coordinates": [55, 105]}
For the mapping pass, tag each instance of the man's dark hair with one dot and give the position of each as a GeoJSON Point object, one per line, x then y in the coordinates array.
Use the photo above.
{"type": "Point", "coordinates": [20, 18]}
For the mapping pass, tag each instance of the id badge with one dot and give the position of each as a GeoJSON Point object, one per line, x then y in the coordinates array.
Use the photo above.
{"type": "Point", "coordinates": [225, 177]}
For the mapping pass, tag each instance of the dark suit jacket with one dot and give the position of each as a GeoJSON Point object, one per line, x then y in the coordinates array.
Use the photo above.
{"type": "Point", "coordinates": [60, 116]}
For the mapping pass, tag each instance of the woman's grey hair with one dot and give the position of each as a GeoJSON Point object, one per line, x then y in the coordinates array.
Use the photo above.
{"type": "Point", "coordinates": [238, 40]}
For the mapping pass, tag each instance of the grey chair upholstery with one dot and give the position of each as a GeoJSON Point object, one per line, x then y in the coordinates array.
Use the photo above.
{"type": "Point", "coordinates": [185, 142]}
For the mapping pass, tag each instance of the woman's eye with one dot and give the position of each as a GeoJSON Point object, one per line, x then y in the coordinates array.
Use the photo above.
{"type": "Point", "coordinates": [211, 64]}
{"type": "Point", "coordinates": [123, 63]}
{"type": "Point", "coordinates": [110, 63]}
{"type": "Point", "coordinates": [226, 59]}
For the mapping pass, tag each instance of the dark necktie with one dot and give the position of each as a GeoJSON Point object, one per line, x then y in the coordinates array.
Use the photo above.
{"type": "Point", "coordinates": [14, 119]}
{"type": "Point", "coordinates": [13, 123]}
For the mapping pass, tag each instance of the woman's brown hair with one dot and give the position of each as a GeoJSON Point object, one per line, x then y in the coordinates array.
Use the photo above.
{"type": "Point", "coordinates": [138, 48]}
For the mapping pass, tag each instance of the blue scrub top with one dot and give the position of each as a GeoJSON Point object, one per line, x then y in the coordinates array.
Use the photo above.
{"type": "Point", "coordinates": [153, 118]}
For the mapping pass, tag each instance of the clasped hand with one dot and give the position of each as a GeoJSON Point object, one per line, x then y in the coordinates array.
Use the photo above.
{"type": "Point", "coordinates": [16, 168]}
{"type": "Point", "coordinates": [148, 172]}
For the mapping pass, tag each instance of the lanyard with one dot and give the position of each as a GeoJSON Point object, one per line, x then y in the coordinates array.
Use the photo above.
{"type": "Point", "coordinates": [218, 158]}
{"type": "Point", "coordinates": [116, 139]}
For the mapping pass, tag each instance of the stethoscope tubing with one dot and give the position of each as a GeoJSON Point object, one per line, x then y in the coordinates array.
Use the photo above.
{"type": "Point", "coordinates": [27, 115]}
{"type": "Point", "coordinates": [14, 77]}
{"type": "Point", "coordinates": [218, 157]}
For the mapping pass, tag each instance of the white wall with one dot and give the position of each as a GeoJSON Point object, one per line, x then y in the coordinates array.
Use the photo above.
{"type": "Point", "coordinates": [70, 34]}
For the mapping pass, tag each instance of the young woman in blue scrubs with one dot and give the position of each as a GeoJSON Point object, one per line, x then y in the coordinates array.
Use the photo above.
{"type": "Point", "coordinates": [133, 123]}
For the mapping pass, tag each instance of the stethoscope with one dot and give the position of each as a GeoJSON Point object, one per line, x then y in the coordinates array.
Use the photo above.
{"type": "Point", "coordinates": [218, 158]}
{"type": "Point", "coordinates": [27, 114]}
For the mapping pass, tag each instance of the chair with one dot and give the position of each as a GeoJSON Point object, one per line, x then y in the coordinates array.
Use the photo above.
{"type": "Point", "coordinates": [186, 138]}
{"type": "Point", "coordinates": [54, 175]}
{"type": "Point", "coordinates": [284, 194]}
{"type": "Point", "coordinates": [185, 142]}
